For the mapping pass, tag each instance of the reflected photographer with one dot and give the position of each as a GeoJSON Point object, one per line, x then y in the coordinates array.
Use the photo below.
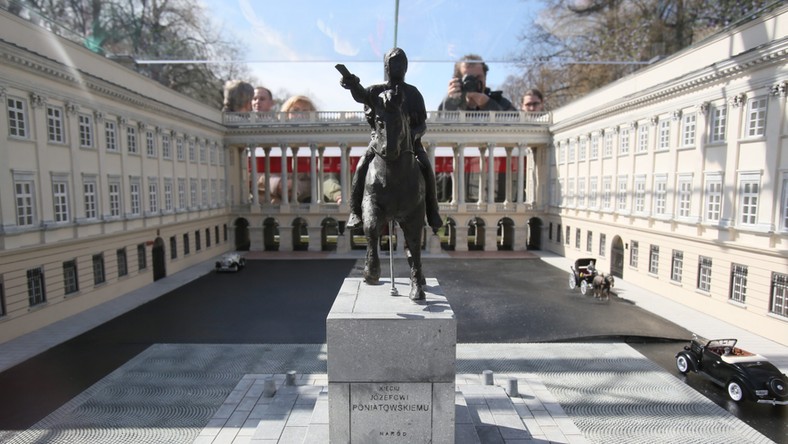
{"type": "Point", "coordinates": [468, 88]}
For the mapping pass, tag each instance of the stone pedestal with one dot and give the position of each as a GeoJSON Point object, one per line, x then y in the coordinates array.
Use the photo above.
{"type": "Point", "coordinates": [391, 365]}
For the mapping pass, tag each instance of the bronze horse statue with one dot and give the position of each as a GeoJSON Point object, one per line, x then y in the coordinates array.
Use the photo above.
{"type": "Point", "coordinates": [393, 189]}
{"type": "Point", "coordinates": [602, 284]}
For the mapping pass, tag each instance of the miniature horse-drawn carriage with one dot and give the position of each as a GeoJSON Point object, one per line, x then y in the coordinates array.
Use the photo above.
{"type": "Point", "coordinates": [581, 275]}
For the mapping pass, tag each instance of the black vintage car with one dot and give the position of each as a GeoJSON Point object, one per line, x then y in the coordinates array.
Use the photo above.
{"type": "Point", "coordinates": [744, 375]}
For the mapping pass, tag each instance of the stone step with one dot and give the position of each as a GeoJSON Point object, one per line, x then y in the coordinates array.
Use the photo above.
{"type": "Point", "coordinates": [485, 414]}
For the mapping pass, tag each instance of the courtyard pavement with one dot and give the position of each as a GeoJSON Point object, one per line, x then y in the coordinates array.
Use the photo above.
{"type": "Point", "coordinates": [571, 393]}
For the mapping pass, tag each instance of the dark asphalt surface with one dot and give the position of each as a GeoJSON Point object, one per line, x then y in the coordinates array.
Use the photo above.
{"type": "Point", "coordinates": [286, 301]}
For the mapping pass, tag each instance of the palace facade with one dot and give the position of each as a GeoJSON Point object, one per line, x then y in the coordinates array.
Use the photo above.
{"type": "Point", "coordinates": [674, 178]}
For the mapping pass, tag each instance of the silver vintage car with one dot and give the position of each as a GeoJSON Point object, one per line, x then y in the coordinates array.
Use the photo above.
{"type": "Point", "coordinates": [230, 262]}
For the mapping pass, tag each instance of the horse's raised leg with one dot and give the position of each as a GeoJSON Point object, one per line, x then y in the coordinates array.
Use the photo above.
{"type": "Point", "coordinates": [372, 261]}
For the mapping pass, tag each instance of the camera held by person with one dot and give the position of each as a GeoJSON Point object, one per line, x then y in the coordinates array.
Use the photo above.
{"type": "Point", "coordinates": [468, 89]}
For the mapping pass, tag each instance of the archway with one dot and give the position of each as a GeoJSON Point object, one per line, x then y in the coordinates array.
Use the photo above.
{"type": "Point", "coordinates": [300, 234]}
{"type": "Point", "coordinates": [328, 234]}
{"type": "Point", "coordinates": [505, 234]}
{"type": "Point", "coordinates": [159, 263]}
{"type": "Point", "coordinates": [242, 241]}
{"type": "Point", "coordinates": [617, 257]}
{"type": "Point", "coordinates": [270, 234]}
{"type": "Point", "coordinates": [534, 234]}
{"type": "Point", "coordinates": [476, 234]}
{"type": "Point", "coordinates": [448, 235]}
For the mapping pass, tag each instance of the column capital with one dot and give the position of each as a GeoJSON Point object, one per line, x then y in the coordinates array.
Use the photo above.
{"type": "Point", "coordinates": [704, 107]}
{"type": "Point", "coordinates": [72, 108]}
{"type": "Point", "coordinates": [122, 120]}
{"type": "Point", "coordinates": [779, 89]}
{"type": "Point", "coordinates": [738, 100]}
{"type": "Point", "coordinates": [98, 115]}
{"type": "Point", "coordinates": [3, 92]}
{"type": "Point", "coordinates": [654, 120]}
{"type": "Point", "coordinates": [676, 115]}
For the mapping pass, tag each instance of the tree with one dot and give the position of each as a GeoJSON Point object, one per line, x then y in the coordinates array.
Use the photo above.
{"type": "Point", "coordinates": [577, 46]}
{"type": "Point", "coordinates": [152, 31]}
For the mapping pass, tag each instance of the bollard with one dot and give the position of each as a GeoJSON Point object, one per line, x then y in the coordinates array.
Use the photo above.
{"type": "Point", "coordinates": [511, 387]}
{"type": "Point", "coordinates": [290, 378]}
{"type": "Point", "coordinates": [487, 377]}
{"type": "Point", "coordinates": [269, 387]}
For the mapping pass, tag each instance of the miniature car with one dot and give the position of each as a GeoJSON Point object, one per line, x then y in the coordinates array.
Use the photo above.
{"type": "Point", "coordinates": [230, 262]}
{"type": "Point", "coordinates": [744, 375]}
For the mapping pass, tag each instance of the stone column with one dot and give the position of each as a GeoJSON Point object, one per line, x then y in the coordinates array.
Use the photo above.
{"type": "Point", "coordinates": [344, 173]}
{"type": "Point", "coordinates": [321, 174]}
{"type": "Point", "coordinates": [482, 162]}
{"type": "Point", "coordinates": [491, 173]}
{"type": "Point", "coordinates": [255, 177]}
{"type": "Point", "coordinates": [315, 241]}
{"type": "Point", "coordinates": [294, 197]}
{"type": "Point", "coordinates": [461, 237]}
{"type": "Point", "coordinates": [520, 173]}
{"type": "Point", "coordinates": [285, 195]}
{"type": "Point", "coordinates": [267, 151]}
{"type": "Point", "coordinates": [313, 177]}
{"type": "Point", "coordinates": [508, 176]}
{"type": "Point", "coordinates": [459, 173]}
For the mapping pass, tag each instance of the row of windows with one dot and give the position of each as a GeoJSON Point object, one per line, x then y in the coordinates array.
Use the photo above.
{"type": "Point", "coordinates": [636, 136]}
{"type": "Point", "coordinates": [173, 196]}
{"type": "Point", "coordinates": [737, 292]}
{"type": "Point", "coordinates": [619, 199]}
{"type": "Point", "coordinates": [37, 290]}
{"type": "Point", "coordinates": [56, 133]}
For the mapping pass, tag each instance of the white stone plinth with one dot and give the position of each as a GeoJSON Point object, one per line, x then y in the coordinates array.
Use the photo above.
{"type": "Point", "coordinates": [391, 364]}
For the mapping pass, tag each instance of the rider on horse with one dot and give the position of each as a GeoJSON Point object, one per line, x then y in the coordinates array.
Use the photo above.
{"type": "Point", "coordinates": [396, 65]}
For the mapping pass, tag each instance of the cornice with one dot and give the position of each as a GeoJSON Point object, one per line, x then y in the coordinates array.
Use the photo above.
{"type": "Point", "coordinates": [40, 66]}
{"type": "Point", "coordinates": [775, 52]}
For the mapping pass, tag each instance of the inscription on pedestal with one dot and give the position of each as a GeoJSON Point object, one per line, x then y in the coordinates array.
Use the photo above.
{"type": "Point", "coordinates": [390, 412]}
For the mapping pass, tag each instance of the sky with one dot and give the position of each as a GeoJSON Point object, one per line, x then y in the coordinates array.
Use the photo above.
{"type": "Point", "coordinates": [293, 45]}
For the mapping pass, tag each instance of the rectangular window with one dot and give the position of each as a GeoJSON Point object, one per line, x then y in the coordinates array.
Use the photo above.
{"type": "Point", "coordinates": [173, 247]}
{"type": "Point", "coordinates": [89, 187]}
{"type": "Point", "coordinates": [179, 148]}
{"type": "Point", "coordinates": [207, 237]}
{"type": "Point", "coordinates": [550, 232]}
{"type": "Point", "coordinates": [168, 195]}
{"type": "Point", "coordinates": [181, 193]}
{"type": "Point", "coordinates": [24, 203]}
{"type": "Point", "coordinates": [784, 205]}
{"type": "Point", "coordinates": [55, 125]}
{"type": "Point", "coordinates": [688, 130]}
{"type": "Point", "coordinates": [134, 196]}
{"type": "Point", "coordinates": [153, 194]}
{"type": "Point", "coordinates": [36, 291]}
{"type": "Point", "coordinates": [111, 134]}
{"type": "Point", "coordinates": [713, 198]}
{"type": "Point", "coordinates": [123, 264]}
{"type": "Point", "coordinates": [779, 295]}
{"type": "Point", "coordinates": [17, 118]}
{"type": "Point", "coordinates": [570, 192]}
{"type": "Point", "coordinates": [685, 196]}
{"type": "Point", "coordinates": [98, 269]}
{"type": "Point", "coordinates": [621, 194]}
{"type": "Point", "coordinates": [204, 192]}
{"type": "Point", "coordinates": [607, 193]}
{"type": "Point", "coordinates": [142, 258]}
{"type": "Point", "coordinates": [589, 241]}
{"type": "Point", "coordinates": [3, 310]}
{"type": "Point", "coordinates": [608, 150]}
{"type": "Point", "coordinates": [193, 193]}
{"type": "Point", "coordinates": [719, 123]}
{"type": "Point", "coordinates": [582, 148]}
{"type": "Point", "coordinates": [602, 246]}
{"type": "Point", "coordinates": [186, 244]}
{"type": "Point", "coordinates": [216, 233]}
{"type": "Point", "coordinates": [633, 254]}
{"type": "Point", "coordinates": [561, 153]}
{"type": "Point", "coordinates": [572, 151]}
{"type": "Point", "coordinates": [203, 157]}
{"type": "Point", "coordinates": [704, 274]}
{"type": "Point", "coordinates": [165, 146]}
{"type": "Point", "coordinates": [738, 283]}
{"type": "Point", "coordinates": [660, 195]}
{"type": "Point", "coordinates": [594, 146]}
{"type": "Point", "coordinates": [653, 260]}
{"type": "Point", "coordinates": [60, 201]}
{"type": "Point", "coordinates": [85, 131]}
{"type": "Point", "coordinates": [150, 145]}
{"type": "Point", "coordinates": [640, 195]}
{"type": "Point", "coordinates": [593, 196]}
{"type": "Point", "coordinates": [676, 266]}
{"type": "Point", "coordinates": [192, 151]}
{"type": "Point", "coordinates": [664, 134]}
{"type": "Point", "coordinates": [749, 189]}
{"type": "Point", "coordinates": [114, 199]}
{"type": "Point", "coordinates": [214, 192]}
{"type": "Point", "coordinates": [197, 243]}
{"type": "Point", "coordinates": [70, 282]}
{"type": "Point", "coordinates": [131, 140]}
{"type": "Point", "coordinates": [581, 192]}
{"type": "Point", "coordinates": [577, 238]}
{"type": "Point", "coordinates": [623, 142]}
{"type": "Point", "coordinates": [642, 135]}
{"type": "Point", "coordinates": [756, 117]}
